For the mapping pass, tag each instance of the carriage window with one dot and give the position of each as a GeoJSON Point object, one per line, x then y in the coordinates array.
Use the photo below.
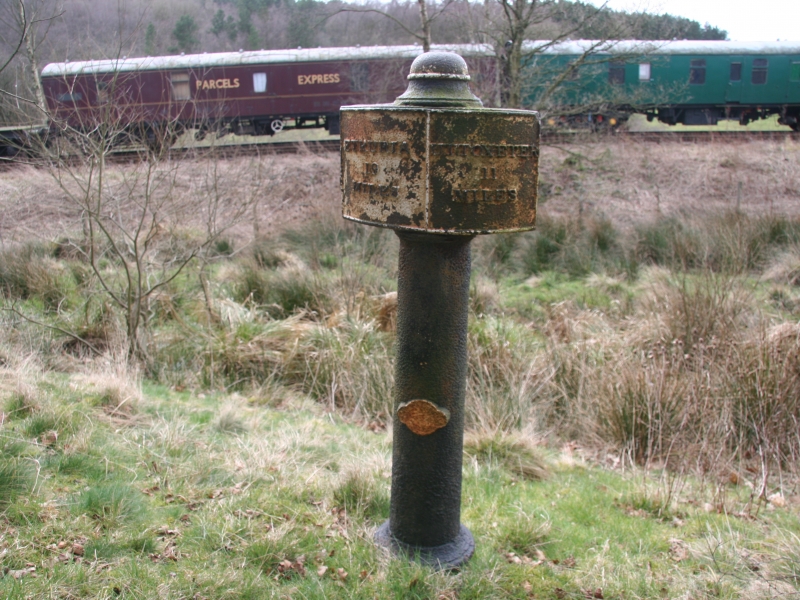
{"type": "Point", "coordinates": [616, 72]}
{"type": "Point", "coordinates": [794, 72]}
{"type": "Point", "coordinates": [180, 86]}
{"type": "Point", "coordinates": [697, 71]}
{"type": "Point", "coordinates": [736, 71]}
{"type": "Point", "coordinates": [644, 72]}
{"type": "Point", "coordinates": [259, 83]}
{"type": "Point", "coordinates": [759, 76]}
{"type": "Point", "coordinates": [572, 73]}
{"type": "Point", "coordinates": [102, 92]}
{"type": "Point", "coordinates": [73, 97]}
{"type": "Point", "coordinates": [359, 77]}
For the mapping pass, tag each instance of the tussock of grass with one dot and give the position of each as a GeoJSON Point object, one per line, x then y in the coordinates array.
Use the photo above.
{"type": "Point", "coordinates": [281, 292]}
{"type": "Point", "coordinates": [106, 549]}
{"type": "Point", "coordinates": [784, 268]}
{"type": "Point", "coordinates": [360, 495]}
{"type": "Point", "coordinates": [16, 478]}
{"type": "Point", "coordinates": [20, 405]}
{"type": "Point", "coordinates": [111, 504]}
{"type": "Point", "coordinates": [512, 452]}
{"type": "Point", "coordinates": [527, 536]}
{"type": "Point", "coordinates": [79, 466]}
{"type": "Point", "coordinates": [114, 388]}
{"type": "Point", "coordinates": [230, 421]}
{"type": "Point", "coordinates": [348, 367]}
{"type": "Point", "coordinates": [19, 393]}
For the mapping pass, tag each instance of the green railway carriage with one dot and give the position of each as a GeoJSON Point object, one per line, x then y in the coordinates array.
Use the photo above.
{"type": "Point", "coordinates": [690, 82]}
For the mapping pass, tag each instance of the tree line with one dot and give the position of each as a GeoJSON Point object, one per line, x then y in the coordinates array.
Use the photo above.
{"type": "Point", "coordinates": [35, 32]}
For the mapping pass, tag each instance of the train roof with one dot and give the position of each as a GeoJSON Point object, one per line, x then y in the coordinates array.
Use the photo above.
{"type": "Point", "coordinates": [569, 47]}
{"type": "Point", "coordinates": [249, 57]}
{"type": "Point", "coordinates": [663, 47]}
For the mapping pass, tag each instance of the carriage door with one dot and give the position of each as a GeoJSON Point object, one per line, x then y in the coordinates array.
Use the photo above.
{"type": "Point", "coordinates": [733, 93]}
{"type": "Point", "coordinates": [793, 89]}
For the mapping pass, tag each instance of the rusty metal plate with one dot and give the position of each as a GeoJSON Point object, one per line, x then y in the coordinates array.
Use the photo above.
{"type": "Point", "coordinates": [422, 416]}
{"type": "Point", "coordinates": [444, 170]}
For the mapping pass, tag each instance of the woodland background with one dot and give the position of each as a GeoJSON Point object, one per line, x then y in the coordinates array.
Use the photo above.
{"type": "Point", "coordinates": [84, 29]}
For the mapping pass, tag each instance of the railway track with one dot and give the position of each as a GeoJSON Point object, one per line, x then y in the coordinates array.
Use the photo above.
{"type": "Point", "coordinates": [576, 137]}
{"type": "Point", "coordinates": [670, 136]}
{"type": "Point", "coordinates": [548, 137]}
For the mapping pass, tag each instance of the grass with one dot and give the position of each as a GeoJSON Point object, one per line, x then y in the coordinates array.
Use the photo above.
{"type": "Point", "coordinates": [639, 123]}
{"type": "Point", "coordinates": [287, 508]}
{"type": "Point", "coordinates": [632, 401]}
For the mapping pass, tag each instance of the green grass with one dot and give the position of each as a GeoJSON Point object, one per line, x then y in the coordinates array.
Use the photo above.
{"type": "Point", "coordinates": [285, 507]}
{"type": "Point", "coordinates": [639, 123]}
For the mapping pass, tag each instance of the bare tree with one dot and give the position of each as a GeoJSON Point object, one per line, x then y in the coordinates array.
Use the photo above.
{"type": "Point", "coordinates": [17, 39]}
{"type": "Point", "coordinates": [427, 16]}
{"type": "Point", "coordinates": [519, 20]}
{"type": "Point", "coordinates": [132, 215]}
{"type": "Point", "coordinates": [27, 23]}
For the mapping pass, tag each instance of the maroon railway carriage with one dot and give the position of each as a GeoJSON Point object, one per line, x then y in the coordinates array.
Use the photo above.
{"type": "Point", "coordinates": [253, 93]}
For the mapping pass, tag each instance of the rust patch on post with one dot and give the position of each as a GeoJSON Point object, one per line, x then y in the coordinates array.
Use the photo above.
{"type": "Point", "coordinates": [423, 417]}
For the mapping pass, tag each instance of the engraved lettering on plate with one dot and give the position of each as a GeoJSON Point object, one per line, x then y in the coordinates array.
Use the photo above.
{"type": "Point", "coordinates": [440, 170]}
{"type": "Point", "coordinates": [484, 165]}
{"type": "Point", "coordinates": [384, 167]}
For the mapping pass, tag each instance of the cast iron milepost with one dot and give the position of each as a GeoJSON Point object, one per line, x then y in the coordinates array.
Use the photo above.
{"type": "Point", "coordinates": [438, 168]}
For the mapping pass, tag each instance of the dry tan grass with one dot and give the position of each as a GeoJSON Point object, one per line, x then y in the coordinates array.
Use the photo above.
{"type": "Point", "coordinates": [627, 181]}
{"type": "Point", "coordinates": [631, 182]}
{"type": "Point", "coordinates": [785, 268]}
{"type": "Point", "coordinates": [114, 382]}
{"type": "Point", "coordinates": [285, 191]}
{"type": "Point", "coordinates": [19, 376]}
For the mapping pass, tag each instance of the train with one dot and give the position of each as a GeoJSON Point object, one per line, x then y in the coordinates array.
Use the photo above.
{"type": "Point", "coordinates": [152, 100]}
{"type": "Point", "coordinates": [686, 82]}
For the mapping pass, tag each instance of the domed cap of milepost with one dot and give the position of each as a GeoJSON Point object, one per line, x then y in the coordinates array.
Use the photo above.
{"type": "Point", "coordinates": [439, 79]}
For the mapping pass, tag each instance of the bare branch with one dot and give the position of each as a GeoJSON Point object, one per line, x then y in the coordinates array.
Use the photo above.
{"type": "Point", "coordinates": [13, 309]}
{"type": "Point", "coordinates": [395, 20]}
{"type": "Point", "coordinates": [22, 35]}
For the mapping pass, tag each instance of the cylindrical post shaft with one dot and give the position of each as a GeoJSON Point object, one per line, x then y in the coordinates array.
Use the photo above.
{"type": "Point", "coordinates": [431, 365]}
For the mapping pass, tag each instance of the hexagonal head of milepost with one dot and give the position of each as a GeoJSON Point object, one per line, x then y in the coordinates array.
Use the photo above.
{"type": "Point", "coordinates": [437, 161]}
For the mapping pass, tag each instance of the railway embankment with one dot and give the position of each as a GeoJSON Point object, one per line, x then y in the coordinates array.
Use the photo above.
{"type": "Point", "coordinates": [628, 179]}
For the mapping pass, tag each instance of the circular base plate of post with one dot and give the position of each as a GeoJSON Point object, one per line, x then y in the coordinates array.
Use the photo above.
{"type": "Point", "coordinates": [447, 556]}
